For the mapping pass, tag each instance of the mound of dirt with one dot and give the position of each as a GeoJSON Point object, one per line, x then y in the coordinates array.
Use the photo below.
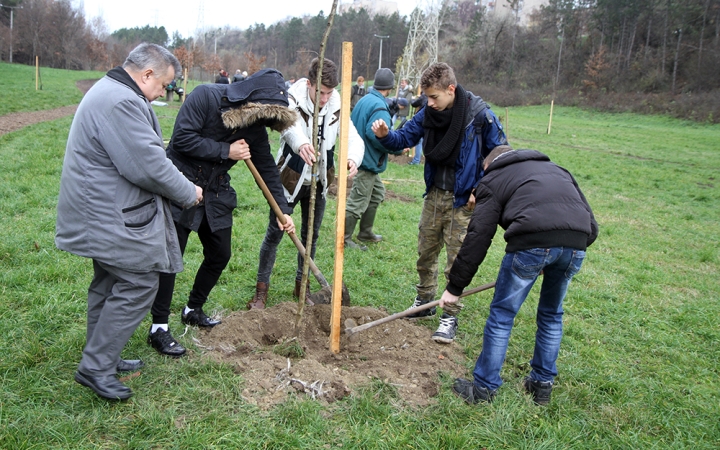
{"type": "Point", "coordinates": [260, 346]}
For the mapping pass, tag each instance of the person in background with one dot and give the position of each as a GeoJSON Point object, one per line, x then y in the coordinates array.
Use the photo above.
{"type": "Point", "coordinates": [222, 78]}
{"type": "Point", "coordinates": [405, 92]}
{"type": "Point", "coordinates": [418, 103]}
{"type": "Point", "coordinates": [114, 208]}
{"type": "Point", "coordinates": [238, 76]}
{"type": "Point", "coordinates": [459, 129]}
{"type": "Point", "coordinates": [358, 91]}
{"type": "Point", "coordinates": [217, 126]}
{"type": "Point", "coordinates": [548, 226]}
{"type": "Point", "coordinates": [368, 190]}
{"type": "Point", "coordinates": [295, 160]}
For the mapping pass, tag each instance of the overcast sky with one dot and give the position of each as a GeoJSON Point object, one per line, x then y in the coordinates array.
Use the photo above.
{"type": "Point", "coordinates": [183, 15]}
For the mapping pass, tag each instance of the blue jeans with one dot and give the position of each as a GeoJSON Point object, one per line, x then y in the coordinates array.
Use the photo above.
{"type": "Point", "coordinates": [418, 153]}
{"type": "Point", "coordinates": [518, 272]}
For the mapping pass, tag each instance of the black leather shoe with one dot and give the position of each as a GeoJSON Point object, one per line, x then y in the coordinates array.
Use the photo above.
{"type": "Point", "coordinates": [165, 344]}
{"type": "Point", "coordinates": [130, 365]}
{"type": "Point", "coordinates": [106, 386]}
{"type": "Point", "coordinates": [199, 318]}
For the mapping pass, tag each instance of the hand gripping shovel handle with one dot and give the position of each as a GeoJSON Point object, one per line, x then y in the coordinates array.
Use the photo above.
{"type": "Point", "coordinates": [407, 312]}
{"type": "Point", "coordinates": [281, 216]}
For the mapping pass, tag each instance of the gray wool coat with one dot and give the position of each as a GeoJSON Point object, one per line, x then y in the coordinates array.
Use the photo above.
{"type": "Point", "coordinates": [116, 181]}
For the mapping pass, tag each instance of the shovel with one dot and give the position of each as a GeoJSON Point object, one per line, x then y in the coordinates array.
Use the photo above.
{"type": "Point", "coordinates": [323, 295]}
{"type": "Point", "coordinates": [352, 330]}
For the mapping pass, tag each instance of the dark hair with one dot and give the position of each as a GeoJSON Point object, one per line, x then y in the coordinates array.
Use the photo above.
{"type": "Point", "coordinates": [152, 56]}
{"type": "Point", "coordinates": [438, 76]}
{"type": "Point", "coordinates": [329, 73]}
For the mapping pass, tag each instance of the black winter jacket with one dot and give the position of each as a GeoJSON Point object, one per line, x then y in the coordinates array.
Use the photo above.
{"type": "Point", "coordinates": [536, 202]}
{"type": "Point", "coordinates": [216, 115]}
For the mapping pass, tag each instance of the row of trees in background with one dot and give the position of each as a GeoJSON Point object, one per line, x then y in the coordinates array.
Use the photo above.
{"type": "Point", "coordinates": [594, 46]}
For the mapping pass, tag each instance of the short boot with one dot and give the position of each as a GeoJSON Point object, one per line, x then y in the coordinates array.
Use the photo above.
{"type": "Point", "coordinates": [350, 222]}
{"type": "Point", "coordinates": [258, 300]}
{"type": "Point", "coordinates": [296, 292]}
{"type": "Point", "coordinates": [366, 225]}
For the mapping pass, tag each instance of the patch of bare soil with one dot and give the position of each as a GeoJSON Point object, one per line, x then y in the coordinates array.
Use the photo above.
{"type": "Point", "coordinates": [400, 159]}
{"type": "Point", "coordinates": [15, 121]}
{"type": "Point", "coordinates": [399, 353]}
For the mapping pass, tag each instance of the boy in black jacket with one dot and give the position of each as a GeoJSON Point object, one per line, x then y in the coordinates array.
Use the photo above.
{"type": "Point", "coordinates": [548, 225]}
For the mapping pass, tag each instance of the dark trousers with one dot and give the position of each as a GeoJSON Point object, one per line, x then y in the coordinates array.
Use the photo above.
{"type": "Point", "coordinates": [273, 234]}
{"type": "Point", "coordinates": [216, 253]}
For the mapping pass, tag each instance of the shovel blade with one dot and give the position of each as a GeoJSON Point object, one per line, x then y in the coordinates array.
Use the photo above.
{"type": "Point", "coordinates": [324, 296]}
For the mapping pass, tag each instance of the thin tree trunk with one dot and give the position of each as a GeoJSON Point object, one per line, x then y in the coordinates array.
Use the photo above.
{"type": "Point", "coordinates": [647, 39]}
{"type": "Point", "coordinates": [702, 33]}
{"type": "Point", "coordinates": [677, 56]}
{"type": "Point", "coordinates": [664, 45]}
{"type": "Point", "coordinates": [313, 183]}
{"type": "Point", "coordinates": [620, 52]}
{"type": "Point", "coordinates": [630, 46]}
{"type": "Point", "coordinates": [557, 74]}
{"type": "Point", "coordinates": [512, 56]}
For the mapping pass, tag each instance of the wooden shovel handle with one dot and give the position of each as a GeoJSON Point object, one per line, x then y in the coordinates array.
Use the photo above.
{"type": "Point", "coordinates": [281, 216]}
{"type": "Point", "coordinates": [410, 311]}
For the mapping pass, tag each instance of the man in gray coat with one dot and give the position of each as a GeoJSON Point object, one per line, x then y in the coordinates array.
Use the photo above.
{"type": "Point", "coordinates": [114, 208]}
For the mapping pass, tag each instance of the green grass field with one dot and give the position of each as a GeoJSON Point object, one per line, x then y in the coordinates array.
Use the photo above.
{"type": "Point", "coordinates": [639, 360]}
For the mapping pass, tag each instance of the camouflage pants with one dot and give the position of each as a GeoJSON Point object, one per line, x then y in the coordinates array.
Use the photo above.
{"type": "Point", "coordinates": [367, 188]}
{"type": "Point", "coordinates": [440, 224]}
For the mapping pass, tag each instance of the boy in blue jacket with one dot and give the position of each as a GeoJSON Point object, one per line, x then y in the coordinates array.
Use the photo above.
{"type": "Point", "coordinates": [459, 130]}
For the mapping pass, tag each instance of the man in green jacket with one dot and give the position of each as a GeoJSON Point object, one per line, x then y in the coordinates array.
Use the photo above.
{"type": "Point", "coordinates": [367, 190]}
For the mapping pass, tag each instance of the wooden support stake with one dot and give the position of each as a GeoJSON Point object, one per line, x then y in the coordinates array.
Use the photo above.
{"type": "Point", "coordinates": [552, 104]}
{"type": "Point", "coordinates": [185, 92]}
{"type": "Point", "coordinates": [507, 124]}
{"type": "Point", "coordinates": [37, 72]}
{"type": "Point", "coordinates": [347, 51]}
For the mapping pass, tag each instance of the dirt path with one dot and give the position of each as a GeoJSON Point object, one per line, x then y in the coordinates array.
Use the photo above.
{"type": "Point", "coordinates": [15, 121]}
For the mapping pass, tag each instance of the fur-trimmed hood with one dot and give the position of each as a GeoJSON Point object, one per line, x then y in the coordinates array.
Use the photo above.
{"type": "Point", "coordinates": [261, 98]}
{"type": "Point", "coordinates": [276, 117]}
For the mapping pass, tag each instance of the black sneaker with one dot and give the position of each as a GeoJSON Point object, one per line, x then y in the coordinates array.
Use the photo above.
{"type": "Point", "coordinates": [445, 333]}
{"type": "Point", "coordinates": [199, 318]}
{"type": "Point", "coordinates": [471, 393]}
{"type": "Point", "coordinates": [540, 390]}
{"type": "Point", "coordinates": [165, 344]}
{"type": "Point", "coordinates": [421, 314]}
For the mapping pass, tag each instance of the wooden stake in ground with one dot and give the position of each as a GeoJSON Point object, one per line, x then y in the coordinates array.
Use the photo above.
{"type": "Point", "coordinates": [507, 123]}
{"type": "Point", "coordinates": [313, 182]}
{"type": "Point", "coordinates": [552, 104]}
{"type": "Point", "coordinates": [37, 72]}
{"type": "Point", "coordinates": [347, 52]}
{"type": "Point", "coordinates": [184, 87]}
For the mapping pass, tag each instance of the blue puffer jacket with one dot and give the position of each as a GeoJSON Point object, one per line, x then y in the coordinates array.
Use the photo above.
{"type": "Point", "coordinates": [482, 134]}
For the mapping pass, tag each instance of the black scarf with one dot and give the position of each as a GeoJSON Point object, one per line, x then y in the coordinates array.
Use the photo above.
{"type": "Point", "coordinates": [443, 131]}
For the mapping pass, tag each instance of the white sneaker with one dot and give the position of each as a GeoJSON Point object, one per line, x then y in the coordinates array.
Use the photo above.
{"type": "Point", "coordinates": [445, 333]}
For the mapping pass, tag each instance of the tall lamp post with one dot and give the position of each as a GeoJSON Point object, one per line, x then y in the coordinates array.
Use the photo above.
{"type": "Point", "coordinates": [380, 57]}
{"type": "Point", "coordinates": [12, 10]}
